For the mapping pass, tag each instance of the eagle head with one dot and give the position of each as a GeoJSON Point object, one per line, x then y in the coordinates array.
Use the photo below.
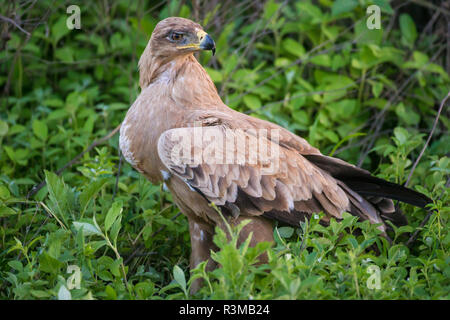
{"type": "Point", "coordinates": [178, 36]}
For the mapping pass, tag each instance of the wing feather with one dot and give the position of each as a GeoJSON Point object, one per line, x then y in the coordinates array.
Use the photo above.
{"type": "Point", "coordinates": [295, 184]}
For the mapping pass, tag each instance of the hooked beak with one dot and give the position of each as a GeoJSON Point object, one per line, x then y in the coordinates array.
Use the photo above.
{"type": "Point", "coordinates": [206, 42]}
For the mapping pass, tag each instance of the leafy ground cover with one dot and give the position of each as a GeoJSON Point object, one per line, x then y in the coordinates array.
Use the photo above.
{"type": "Point", "coordinates": [98, 230]}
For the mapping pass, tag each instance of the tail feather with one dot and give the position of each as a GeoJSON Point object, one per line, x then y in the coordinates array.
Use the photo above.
{"type": "Point", "coordinates": [363, 183]}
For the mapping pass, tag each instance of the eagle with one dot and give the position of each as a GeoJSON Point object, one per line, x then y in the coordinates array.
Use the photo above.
{"type": "Point", "coordinates": [223, 167]}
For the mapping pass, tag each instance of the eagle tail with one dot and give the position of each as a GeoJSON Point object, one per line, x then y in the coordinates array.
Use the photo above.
{"type": "Point", "coordinates": [375, 192]}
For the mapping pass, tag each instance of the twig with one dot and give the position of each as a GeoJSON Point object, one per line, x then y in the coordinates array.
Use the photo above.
{"type": "Point", "coordinates": [428, 216]}
{"type": "Point", "coordinates": [6, 19]}
{"type": "Point", "coordinates": [431, 6]}
{"type": "Point", "coordinates": [38, 187]}
{"type": "Point", "coordinates": [428, 140]}
{"type": "Point", "coordinates": [379, 118]}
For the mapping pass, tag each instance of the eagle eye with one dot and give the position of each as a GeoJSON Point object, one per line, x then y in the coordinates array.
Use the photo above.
{"type": "Point", "coordinates": [176, 36]}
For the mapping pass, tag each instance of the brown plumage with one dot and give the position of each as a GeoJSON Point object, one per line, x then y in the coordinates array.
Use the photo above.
{"type": "Point", "coordinates": [178, 97]}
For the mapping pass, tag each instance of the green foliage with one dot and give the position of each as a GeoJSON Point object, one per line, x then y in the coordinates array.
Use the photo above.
{"type": "Point", "coordinates": [310, 66]}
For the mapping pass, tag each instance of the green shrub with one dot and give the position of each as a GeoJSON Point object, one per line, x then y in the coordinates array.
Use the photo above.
{"type": "Point", "coordinates": [369, 97]}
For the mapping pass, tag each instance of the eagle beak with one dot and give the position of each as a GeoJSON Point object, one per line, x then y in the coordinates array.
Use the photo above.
{"type": "Point", "coordinates": [206, 42]}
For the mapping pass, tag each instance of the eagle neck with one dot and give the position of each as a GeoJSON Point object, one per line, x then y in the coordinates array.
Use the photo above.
{"type": "Point", "coordinates": [183, 80]}
{"type": "Point", "coordinates": [192, 86]}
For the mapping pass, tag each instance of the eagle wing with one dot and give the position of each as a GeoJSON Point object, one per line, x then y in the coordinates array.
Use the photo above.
{"type": "Point", "coordinates": [252, 167]}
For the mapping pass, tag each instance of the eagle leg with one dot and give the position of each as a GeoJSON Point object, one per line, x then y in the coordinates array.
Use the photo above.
{"type": "Point", "coordinates": [261, 229]}
{"type": "Point", "coordinates": [201, 246]}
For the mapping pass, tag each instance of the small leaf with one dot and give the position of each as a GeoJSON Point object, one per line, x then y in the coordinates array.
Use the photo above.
{"type": "Point", "coordinates": [90, 192]}
{"type": "Point", "coordinates": [6, 212]}
{"type": "Point", "coordinates": [294, 47]}
{"type": "Point", "coordinates": [16, 265]}
{"type": "Point", "coordinates": [40, 129]}
{"type": "Point", "coordinates": [384, 6]}
{"type": "Point", "coordinates": [408, 28]}
{"type": "Point", "coordinates": [3, 128]}
{"type": "Point", "coordinates": [113, 213]}
{"type": "Point", "coordinates": [41, 294]}
{"type": "Point", "coordinates": [115, 229]}
{"type": "Point", "coordinates": [111, 293]}
{"type": "Point", "coordinates": [323, 60]}
{"type": "Point", "coordinates": [353, 242]}
{"type": "Point", "coordinates": [49, 264]}
{"type": "Point", "coordinates": [64, 293]}
{"type": "Point", "coordinates": [59, 29]}
{"type": "Point", "coordinates": [179, 277]}
{"type": "Point", "coordinates": [286, 232]}
{"type": "Point", "coordinates": [252, 101]}
{"type": "Point", "coordinates": [88, 229]}
{"type": "Point", "coordinates": [343, 6]}
{"type": "Point", "coordinates": [377, 87]}
{"type": "Point", "coordinates": [64, 54]}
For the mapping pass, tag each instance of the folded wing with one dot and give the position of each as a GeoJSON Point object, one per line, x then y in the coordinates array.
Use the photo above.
{"type": "Point", "coordinates": [253, 172]}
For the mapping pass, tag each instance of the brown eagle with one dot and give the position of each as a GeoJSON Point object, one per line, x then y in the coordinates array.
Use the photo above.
{"type": "Point", "coordinates": [167, 136]}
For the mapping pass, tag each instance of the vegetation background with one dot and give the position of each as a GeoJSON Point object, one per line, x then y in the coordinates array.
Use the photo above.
{"type": "Point", "coordinates": [375, 98]}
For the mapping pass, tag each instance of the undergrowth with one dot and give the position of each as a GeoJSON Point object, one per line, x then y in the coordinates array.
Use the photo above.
{"type": "Point", "coordinates": [99, 230]}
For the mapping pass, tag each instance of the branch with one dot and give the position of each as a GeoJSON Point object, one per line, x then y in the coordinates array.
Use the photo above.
{"type": "Point", "coordinates": [428, 140]}
{"type": "Point", "coordinates": [6, 19]}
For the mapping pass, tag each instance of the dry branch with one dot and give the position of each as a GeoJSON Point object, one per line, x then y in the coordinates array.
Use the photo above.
{"type": "Point", "coordinates": [428, 140]}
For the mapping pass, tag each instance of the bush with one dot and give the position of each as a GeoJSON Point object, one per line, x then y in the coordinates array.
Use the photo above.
{"type": "Point", "coordinates": [370, 97]}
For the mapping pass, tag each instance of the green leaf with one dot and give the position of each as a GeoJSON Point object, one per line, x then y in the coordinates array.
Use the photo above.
{"type": "Point", "coordinates": [90, 192]}
{"type": "Point", "coordinates": [216, 76]}
{"type": "Point", "coordinates": [64, 293]}
{"type": "Point", "coordinates": [110, 293]}
{"type": "Point", "coordinates": [343, 109]}
{"type": "Point", "coordinates": [113, 213]}
{"type": "Point", "coordinates": [4, 193]}
{"type": "Point", "coordinates": [88, 229]}
{"type": "Point", "coordinates": [294, 47]}
{"type": "Point", "coordinates": [331, 135]}
{"type": "Point", "coordinates": [343, 6]}
{"type": "Point", "coordinates": [408, 115]}
{"type": "Point", "coordinates": [321, 60]}
{"type": "Point", "coordinates": [384, 6]}
{"type": "Point", "coordinates": [401, 134]}
{"type": "Point", "coordinates": [179, 277]}
{"type": "Point", "coordinates": [16, 265]}
{"type": "Point", "coordinates": [64, 54]}
{"type": "Point", "coordinates": [364, 35]}
{"type": "Point", "coordinates": [408, 29]}
{"type": "Point", "coordinates": [286, 232]}
{"type": "Point", "coordinates": [53, 102]}
{"type": "Point", "coordinates": [59, 29]}
{"type": "Point", "coordinates": [59, 195]}
{"type": "Point", "coordinates": [41, 294]}
{"type": "Point", "coordinates": [252, 101]}
{"type": "Point", "coordinates": [10, 152]}
{"type": "Point", "coordinates": [49, 264]}
{"type": "Point", "coordinates": [377, 88]}
{"type": "Point", "coordinates": [270, 9]}
{"type": "Point", "coordinates": [40, 129]}
{"type": "Point", "coordinates": [3, 128]}
{"type": "Point", "coordinates": [353, 242]}
{"type": "Point", "coordinates": [116, 228]}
